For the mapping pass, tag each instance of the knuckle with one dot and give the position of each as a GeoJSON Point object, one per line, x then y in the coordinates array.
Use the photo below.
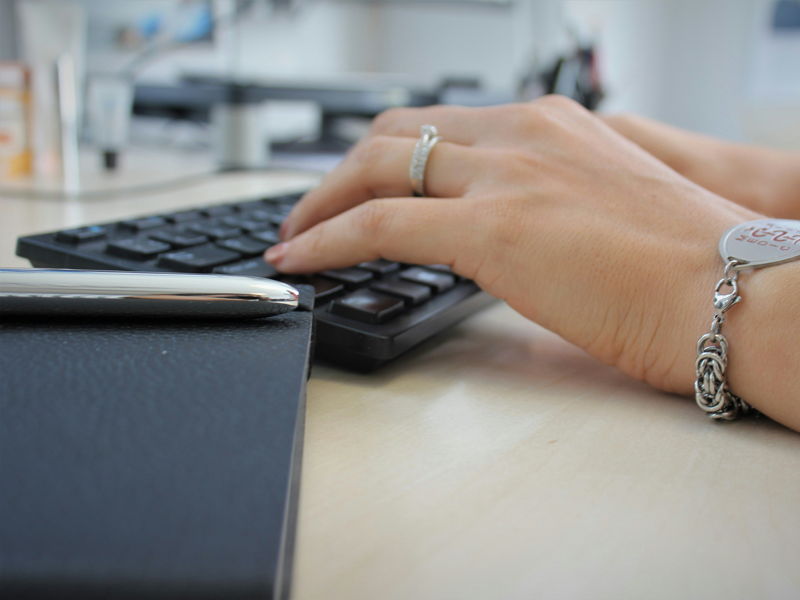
{"type": "Point", "coordinates": [372, 218]}
{"type": "Point", "coordinates": [620, 118]}
{"type": "Point", "coordinates": [623, 121]}
{"type": "Point", "coordinates": [514, 115]}
{"type": "Point", "coordinates": [443, 113]}
{"type": "Point", "coordinates": [315, 239]}
{"type": "Point", "coordinates": [529, 118]}
{"type": "Point", "coordinates": [388, 121]}
{"type": "Point", "coordinates": [547, 121]}
{"type": "Point", "coordinates": [515, 165]}
{"type": "Point", "coordinates": [555, 113]}
{"type": "Point", "coordinates": [370, 150]}
{"type": "Point", "coordinates": [558, 102]}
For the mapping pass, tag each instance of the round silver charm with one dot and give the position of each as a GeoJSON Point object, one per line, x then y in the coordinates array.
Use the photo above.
{"type": "Point", "coordinates": [762, 243]}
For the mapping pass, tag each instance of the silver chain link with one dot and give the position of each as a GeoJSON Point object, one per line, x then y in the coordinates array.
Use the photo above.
{"type": "Point", "coordinates": [711, 387]}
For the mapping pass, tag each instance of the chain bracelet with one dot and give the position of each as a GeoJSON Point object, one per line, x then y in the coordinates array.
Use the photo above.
{"type": "Point", "coordinates": [711, 387]}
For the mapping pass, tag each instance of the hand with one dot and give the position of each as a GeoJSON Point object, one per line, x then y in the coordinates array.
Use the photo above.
{"type": "Point", "coordinates": [544, 206]}
{"type": "Point", "coordinates": [762, 179]}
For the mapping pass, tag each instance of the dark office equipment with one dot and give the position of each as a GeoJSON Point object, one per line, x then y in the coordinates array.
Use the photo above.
{"type": "Point", "coordinates": [195, 95]}
{"type": "Point", "coordinates": [573, 75]}
{"type": "Point", "coordinates": [193, 98]}
{"type": "Point", "coordinates": [786, 16]}
{"type": "Point", "coordinates": [150, 458]}
{"type": "Point", "coordinates": [357, 325]}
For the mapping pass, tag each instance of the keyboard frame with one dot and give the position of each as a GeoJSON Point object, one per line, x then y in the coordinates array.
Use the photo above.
{"type": "Point", "coordinates": [345, 342]}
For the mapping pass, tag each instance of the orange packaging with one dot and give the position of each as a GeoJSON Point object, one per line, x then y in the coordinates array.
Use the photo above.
{"type": "Point", "coordinates": [15, 105]}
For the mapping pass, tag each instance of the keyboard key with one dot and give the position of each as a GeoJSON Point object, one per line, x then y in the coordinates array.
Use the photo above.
{"type": "Point", "coordinates": [137, 249]}
{"type": "Point", "coordinates": [287, 199]}
{"type": "Point", "coordinates": [183, 217]}
{"type": "Point", "coordinates": [260, 215]}
{"type": "Point", "coordinates": [323, 288]}
{"type": "Point", "coordinates": [255, 267]}
{"type": "Point", "coordinates": [179, 239]}
{"type": "Point", "coordinates": [83, 234]}
{"type": "Point", "coordinates": [215, 232]}
{"type": "Point", "coordinates": [142, 224]}
{"type": "Point", "coordinates": [197, 260]}
{"type": "Point", "coordinates": [244, 245]}
{"type": "Point", "coordinates": [440, 282]}
{"type": "Point", "coordinates": [380, 266]}
{"type": "Point", "coordinates": [278, 219]}
{"type": "Point", "coordinates": [244, 223]}
{"type": "Point", "coordinates": [217, 211]}
{"type": "Point", "coordinates": [248, 206]}
{"type": "Point", "coordinates": [268, 237]}
{"type": "Point", "coordinates": [350, 276]}
{"type": "Point", "coordinates": [412, 293]}
{"type": "Point", "coordinates": [440, 268]}
{"type": "Point", "coordinates": [367, 306]}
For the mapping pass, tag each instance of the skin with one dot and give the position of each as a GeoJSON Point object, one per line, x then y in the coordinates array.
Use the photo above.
{"type": "Point", "coordinates": [762, 179]}
{"type": "Point", "coordinates": [577, 227]}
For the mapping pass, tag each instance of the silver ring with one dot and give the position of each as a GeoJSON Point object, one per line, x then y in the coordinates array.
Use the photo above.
{"type": "Point", "coordinates": [428, 139]}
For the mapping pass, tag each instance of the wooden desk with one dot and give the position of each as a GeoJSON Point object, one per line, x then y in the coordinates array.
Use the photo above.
{"type": "Point", "coordinates": [498, 461]}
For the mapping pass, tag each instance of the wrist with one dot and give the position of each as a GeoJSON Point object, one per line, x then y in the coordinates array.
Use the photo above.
{"type": "Point", "coordinates": [694, 267]}
{"type": "Point", "coordinates": [762, 331]}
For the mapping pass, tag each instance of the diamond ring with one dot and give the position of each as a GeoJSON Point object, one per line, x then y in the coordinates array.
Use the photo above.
{"type": "Point", "coordinates": [428, 139]}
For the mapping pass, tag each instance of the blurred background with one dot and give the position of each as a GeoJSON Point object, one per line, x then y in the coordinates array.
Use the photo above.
{"type": "Point", "coordinates": [257, 82]}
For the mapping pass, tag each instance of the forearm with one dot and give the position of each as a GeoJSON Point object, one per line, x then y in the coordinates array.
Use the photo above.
{"type": "Point", "coordinates": [776, 177]}
{"type": "Point", "coordinates": [762, 330]}
{"type": "Point", "coordinates": [762, 179]}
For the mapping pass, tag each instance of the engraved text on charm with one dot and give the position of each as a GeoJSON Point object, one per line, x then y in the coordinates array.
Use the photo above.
{"type": "Point", "coordinates": [761, 243]}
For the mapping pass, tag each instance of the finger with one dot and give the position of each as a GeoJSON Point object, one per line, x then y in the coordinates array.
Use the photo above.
{"type": "Point", "coordinates": [412, 230]}
{"type": "Point", "coordinates": [458, 124]}
{"type": "Point", "coordinates": [489, 126]}
{"type": "Point", "coordinates": [379, 168]}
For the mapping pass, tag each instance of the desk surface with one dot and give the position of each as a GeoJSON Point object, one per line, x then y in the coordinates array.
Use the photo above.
{"type": "Point", "coordinates": [498, 461]}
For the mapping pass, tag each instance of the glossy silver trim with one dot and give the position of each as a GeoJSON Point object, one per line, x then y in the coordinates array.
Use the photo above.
{"type": "Point", "coordinates": [126, 293]}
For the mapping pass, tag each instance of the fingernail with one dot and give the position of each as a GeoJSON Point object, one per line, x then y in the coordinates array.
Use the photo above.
{"type": "Point", "coordinates": [276, 254]}
{"type": "Point", "coordinates": [283, 232]}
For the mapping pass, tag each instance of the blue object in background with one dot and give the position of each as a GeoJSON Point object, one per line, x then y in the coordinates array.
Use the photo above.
{"type": "Point", "coordinates": [185, 23]}
{"type": "Point", "coordinates": [787, 16]}
{"type": "Point", "coordinates": [193, 22]}
{"type": "Point", "coordinates": [149, 26]}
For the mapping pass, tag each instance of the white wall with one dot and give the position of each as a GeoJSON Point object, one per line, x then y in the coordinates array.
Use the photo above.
{"type": "Point", "coordinates": [316, 39]}
{"type": "Point", "coordinates": [708, 65]}
{"type": "Point", "coordinates": [319, 38]}
{"type": "Point", "coordinates": [705, 66]}
{"type": "Point", "coordinates": [712, 66]}
{"type": "Point", "coordinates": [436, 40]}
{"type": "Point", "coordinates": [683, 62]}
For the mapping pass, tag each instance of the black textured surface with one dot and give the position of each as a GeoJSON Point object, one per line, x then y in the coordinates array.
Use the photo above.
{"type": "Point", "coordinates": [305, 300]}
{"type": "Point", "coordinates": [144, 459]}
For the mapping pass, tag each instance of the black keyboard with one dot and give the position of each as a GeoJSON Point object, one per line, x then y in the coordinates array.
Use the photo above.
{"type": "Point", "coordinates": [366, 314]}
